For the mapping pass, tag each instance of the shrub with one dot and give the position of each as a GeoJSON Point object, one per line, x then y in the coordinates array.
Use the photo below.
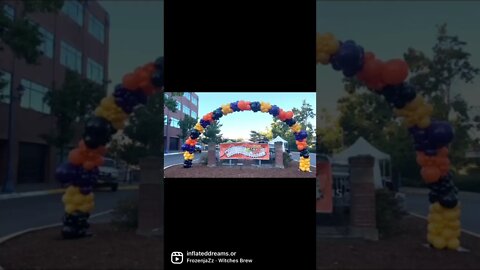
{"type": "Point", "coordinates": [125, 214]}
{"type": "Point", "coordinates": [388, 212]}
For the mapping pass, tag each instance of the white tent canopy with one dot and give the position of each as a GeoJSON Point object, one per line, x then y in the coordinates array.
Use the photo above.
{"type": "Point", "coordinates": [362, 147]}
{"type": "Point", "coordinates": [271, 143]}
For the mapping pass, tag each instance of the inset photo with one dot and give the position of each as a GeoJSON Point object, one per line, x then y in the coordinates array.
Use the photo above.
{"type": "Point", "coordinates": [240, 135]}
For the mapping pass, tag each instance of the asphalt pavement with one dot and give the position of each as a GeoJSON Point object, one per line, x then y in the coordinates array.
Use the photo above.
{"type": "Point", "coordinates": [24, 213]}
{"type": "Point", "coordinates": [177, 158]}
{"type": "Point", "coordinates": [417, 202]}
{"type": "Point", "coordinates": [296, 156]}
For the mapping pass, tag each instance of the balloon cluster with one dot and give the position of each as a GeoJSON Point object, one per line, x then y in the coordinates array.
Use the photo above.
{"type": "Point", "coordinates": [444, 226]}
{"type": "Point", "coordinates": [431, 138]}
{"type": "Point", "coordinates": [255, 106]}
{"type": "Point", "coordinates": [81, 171]}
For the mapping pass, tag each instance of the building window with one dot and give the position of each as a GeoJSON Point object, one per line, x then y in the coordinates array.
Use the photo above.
{"type": "Point", "coordinates": [71, 57]}
{"type": "Point", "coordinates": [174, 123]}
{"type": "Point", "coordinates": [187, 95]}
{"type": "Point", "coordinates": [9, 11]}
{"type": "Point", "coordinates": [165, 95]}
{"type": "Point", "coordinates": [194, 101]}
{"type": "Point", "coordinates": [6, 82]}
{"type": "Point", "coordinates": [179, 105]}
{"type": "Point", "coordinates": [96, 28]}
{"type": "Point", "coordinates": [94, 71]}
{"type": "Point", "coordinates": [194, 114]}
{"type": "Point", "coordinates": [186, 110]}
{"type": "Point", "coordinates": [165, 119]}
{"type": "Point", "coordinates": [74, 10]}
{"type": "Point", "coordinates": [47, 42]}
{"type": "Point", "coordinates": [33, 97]}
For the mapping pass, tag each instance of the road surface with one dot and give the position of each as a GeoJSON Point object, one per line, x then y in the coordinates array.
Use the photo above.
{"type": "Point", "coordinates": [470, 203]}
{"type": "Point", "coordinates": [23, 213]}
{"type": "Point", "coordinates": [296, 156]}
{"type": "Point", "coordinates": [176, 158]}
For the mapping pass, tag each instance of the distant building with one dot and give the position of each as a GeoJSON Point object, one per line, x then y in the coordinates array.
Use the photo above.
{"type": "Point", "coordinates": [186, 104]}
{"type": "Point", "coordinates": [77, 38]}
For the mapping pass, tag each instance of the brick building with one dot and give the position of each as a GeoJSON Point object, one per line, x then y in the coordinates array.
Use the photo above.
{"type": "Point", "coordinates": [76, 38]}
{"type": "Point", "coordinates": [186, 104]}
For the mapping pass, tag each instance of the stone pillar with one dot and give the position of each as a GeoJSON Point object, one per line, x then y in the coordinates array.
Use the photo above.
{"type": "Point", "coordinates": [279, 155]}
{"type": "Point", "coordinates": [151, 197]}
{"type": "Point", "coordinates": [212, 160]}
{"type": "Point", "coordinates": [362, 190]}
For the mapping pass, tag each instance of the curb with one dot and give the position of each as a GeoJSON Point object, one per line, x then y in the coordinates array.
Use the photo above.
{"type": "Point", "coordinates": [171, 154]}
{"type": "Point", "coordinates": [16, 234]}
{"type": "Point", "coordinates": [49, 192]}
{"type": "Point", "coordinates": [463, 230]}
{"type": "Point", "coordinates": [172, 165]}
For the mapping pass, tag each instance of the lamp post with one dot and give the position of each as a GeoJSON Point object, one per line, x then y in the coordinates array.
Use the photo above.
{"type": "Point", "coordinates": [167, 143]}
{"type": "Point", "coordinates": [8, 186]}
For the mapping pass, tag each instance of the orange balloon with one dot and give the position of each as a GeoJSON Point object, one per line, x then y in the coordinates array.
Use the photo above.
{"type": "Point", "coordinates": [395, 71]}
{"type": "Point", "coordinates": [130, 81]}
{"type": "Point", "coordinates": [101, 150]}
{"type": "Point", "coordinates": [98, 161]}
{"type": "Point", "coordinates": [430, 174]}
{"type": "Point", "coordinates": [422, 159]}
{"type": "Point", "coordinates": [149, 89]}
{"type": "Point", "coordinates": [89, 165]}
{"type": "Point", "coordinates": [372, 71]}
{"type": "Point", "coordinates": [443, 152]}
{"type": "Point", "coordinates": [282, 115]}
{"type": "Point", "coordinates": [289, 115]}
{"type": "Point", "coordinates": [76, 157]}
{"type": "Point", "coordinates": [150, 67]}
{"type": "Point", "coordinates": [208, 116]}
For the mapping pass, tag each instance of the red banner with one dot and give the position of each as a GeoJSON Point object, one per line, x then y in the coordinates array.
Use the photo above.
{"type": "Point", "coordinates": [324, 187]}
{"type": "Point", "coordinates": [244, 151]}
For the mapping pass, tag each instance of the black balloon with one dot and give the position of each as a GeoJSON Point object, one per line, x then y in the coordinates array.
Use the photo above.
{"type": "Point", "coordinates": [194, 134]}
{"type": "Point", "coordinates": [160, 63]}
{"type": "Point", "coordinates": [290, 122]}
{"type": "Point", "coordinates": [97, 132]}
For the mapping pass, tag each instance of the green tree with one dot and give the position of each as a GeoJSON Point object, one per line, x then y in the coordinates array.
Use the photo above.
{"type": "Point", "coordinates": [256, 136]}
{"type": "Point", "coordinates": [186, 125]}
{"type": "Point", "coordinates": [212, 134]}
{"type": "Point", "coordinates": [330, 135]}
{"type": "Point", "coordinates": [71, 104]}
{"type": "Point", "coordinates": [23, 37]}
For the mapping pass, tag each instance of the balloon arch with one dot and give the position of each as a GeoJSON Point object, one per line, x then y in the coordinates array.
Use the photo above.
{"type": "Point", "coordinates": [431, 138]}
{"type": "Point", "coordinates": [254, 106]}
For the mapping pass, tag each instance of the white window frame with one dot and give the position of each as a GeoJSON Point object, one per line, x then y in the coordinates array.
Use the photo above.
{"type": "Point", "coordinates": [32, 87]}
{"type": "Point", "coordinates": [48, 41]}
{"type": "Point", "coordinates": [96, 28]}
{"type": "Point", "coordinates": [174, 122]}
{"type": "Point", "coordinates": [95, 71]}
{"type": "Point", "coordinates": [75, 10]}
{"type": "Point", "coordinates": [66, 52]}
{"type": "Point", "coordinates": [5, 92]}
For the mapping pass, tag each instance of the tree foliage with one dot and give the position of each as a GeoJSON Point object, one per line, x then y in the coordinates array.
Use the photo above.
{"type": "Point", "coordinates": [22, 37]}
{"type": "Point", "coordinates": [256, 136]}
{"type": "Point", "coordinates": [212, 134]}
{"type": "Point", "coordinates": [186, 125]}
{"type": "Point", "coordinates": [71, 104]}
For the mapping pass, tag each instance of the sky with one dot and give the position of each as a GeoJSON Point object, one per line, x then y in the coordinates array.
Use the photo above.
{"type": "Point", "coordinates": [389, 28]}
{"type": "Point", "coordinates": [239, 124]}
{"type": "Point", "coordinates": [136, 35]}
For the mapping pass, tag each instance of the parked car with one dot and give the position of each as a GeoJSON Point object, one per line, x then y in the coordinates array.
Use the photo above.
{"type": "Point", "coordinates": [198, 148]}
{"type": "Point", "coordinates": [109, 175]}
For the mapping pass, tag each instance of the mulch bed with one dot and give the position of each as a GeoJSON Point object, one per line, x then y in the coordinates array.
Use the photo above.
{"type": "Point", "coordinates": [112, 249]}
{"type": "Point", "coordinates": [202, 171]}
{"type": "Point", "coordinates": [405, 250]}
{"type": "Point", "coordinates": [109, 248]}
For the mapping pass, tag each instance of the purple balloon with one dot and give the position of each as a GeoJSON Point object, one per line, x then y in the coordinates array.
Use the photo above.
{"type": "Point", "coordinates": [86, 190]}
{"type": "Point", "coordinates": [440, 133]}
{"type": "Point", "coordinates": [301, 135]}
{"type": "Point", "coordinates": [68, 173]}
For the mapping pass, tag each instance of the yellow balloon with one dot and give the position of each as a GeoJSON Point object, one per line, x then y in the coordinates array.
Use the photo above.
{"type": "Point", "coordinates": [78, 199]}
{"type": "Point", "coordinates": [439, 242]}
{"type": "Point", "coordinates": [69, 208]}
{"type": "Point", "coordinates": [453, 214]}
{"type": "Point", "coordinates": [454, 224]}
{"type": "Point", "coordinates": [436, 207]}
{"type": "Point", "coordinates": [453, 243]}
{"type": "Point", "coordinates": [434, 218]}
{"type": "Point", "coordinates": [424, 123]}
{"type": "Point", "coordinates": [448, 233]}
{"type": "Point", "coordinates": [430, 237]}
